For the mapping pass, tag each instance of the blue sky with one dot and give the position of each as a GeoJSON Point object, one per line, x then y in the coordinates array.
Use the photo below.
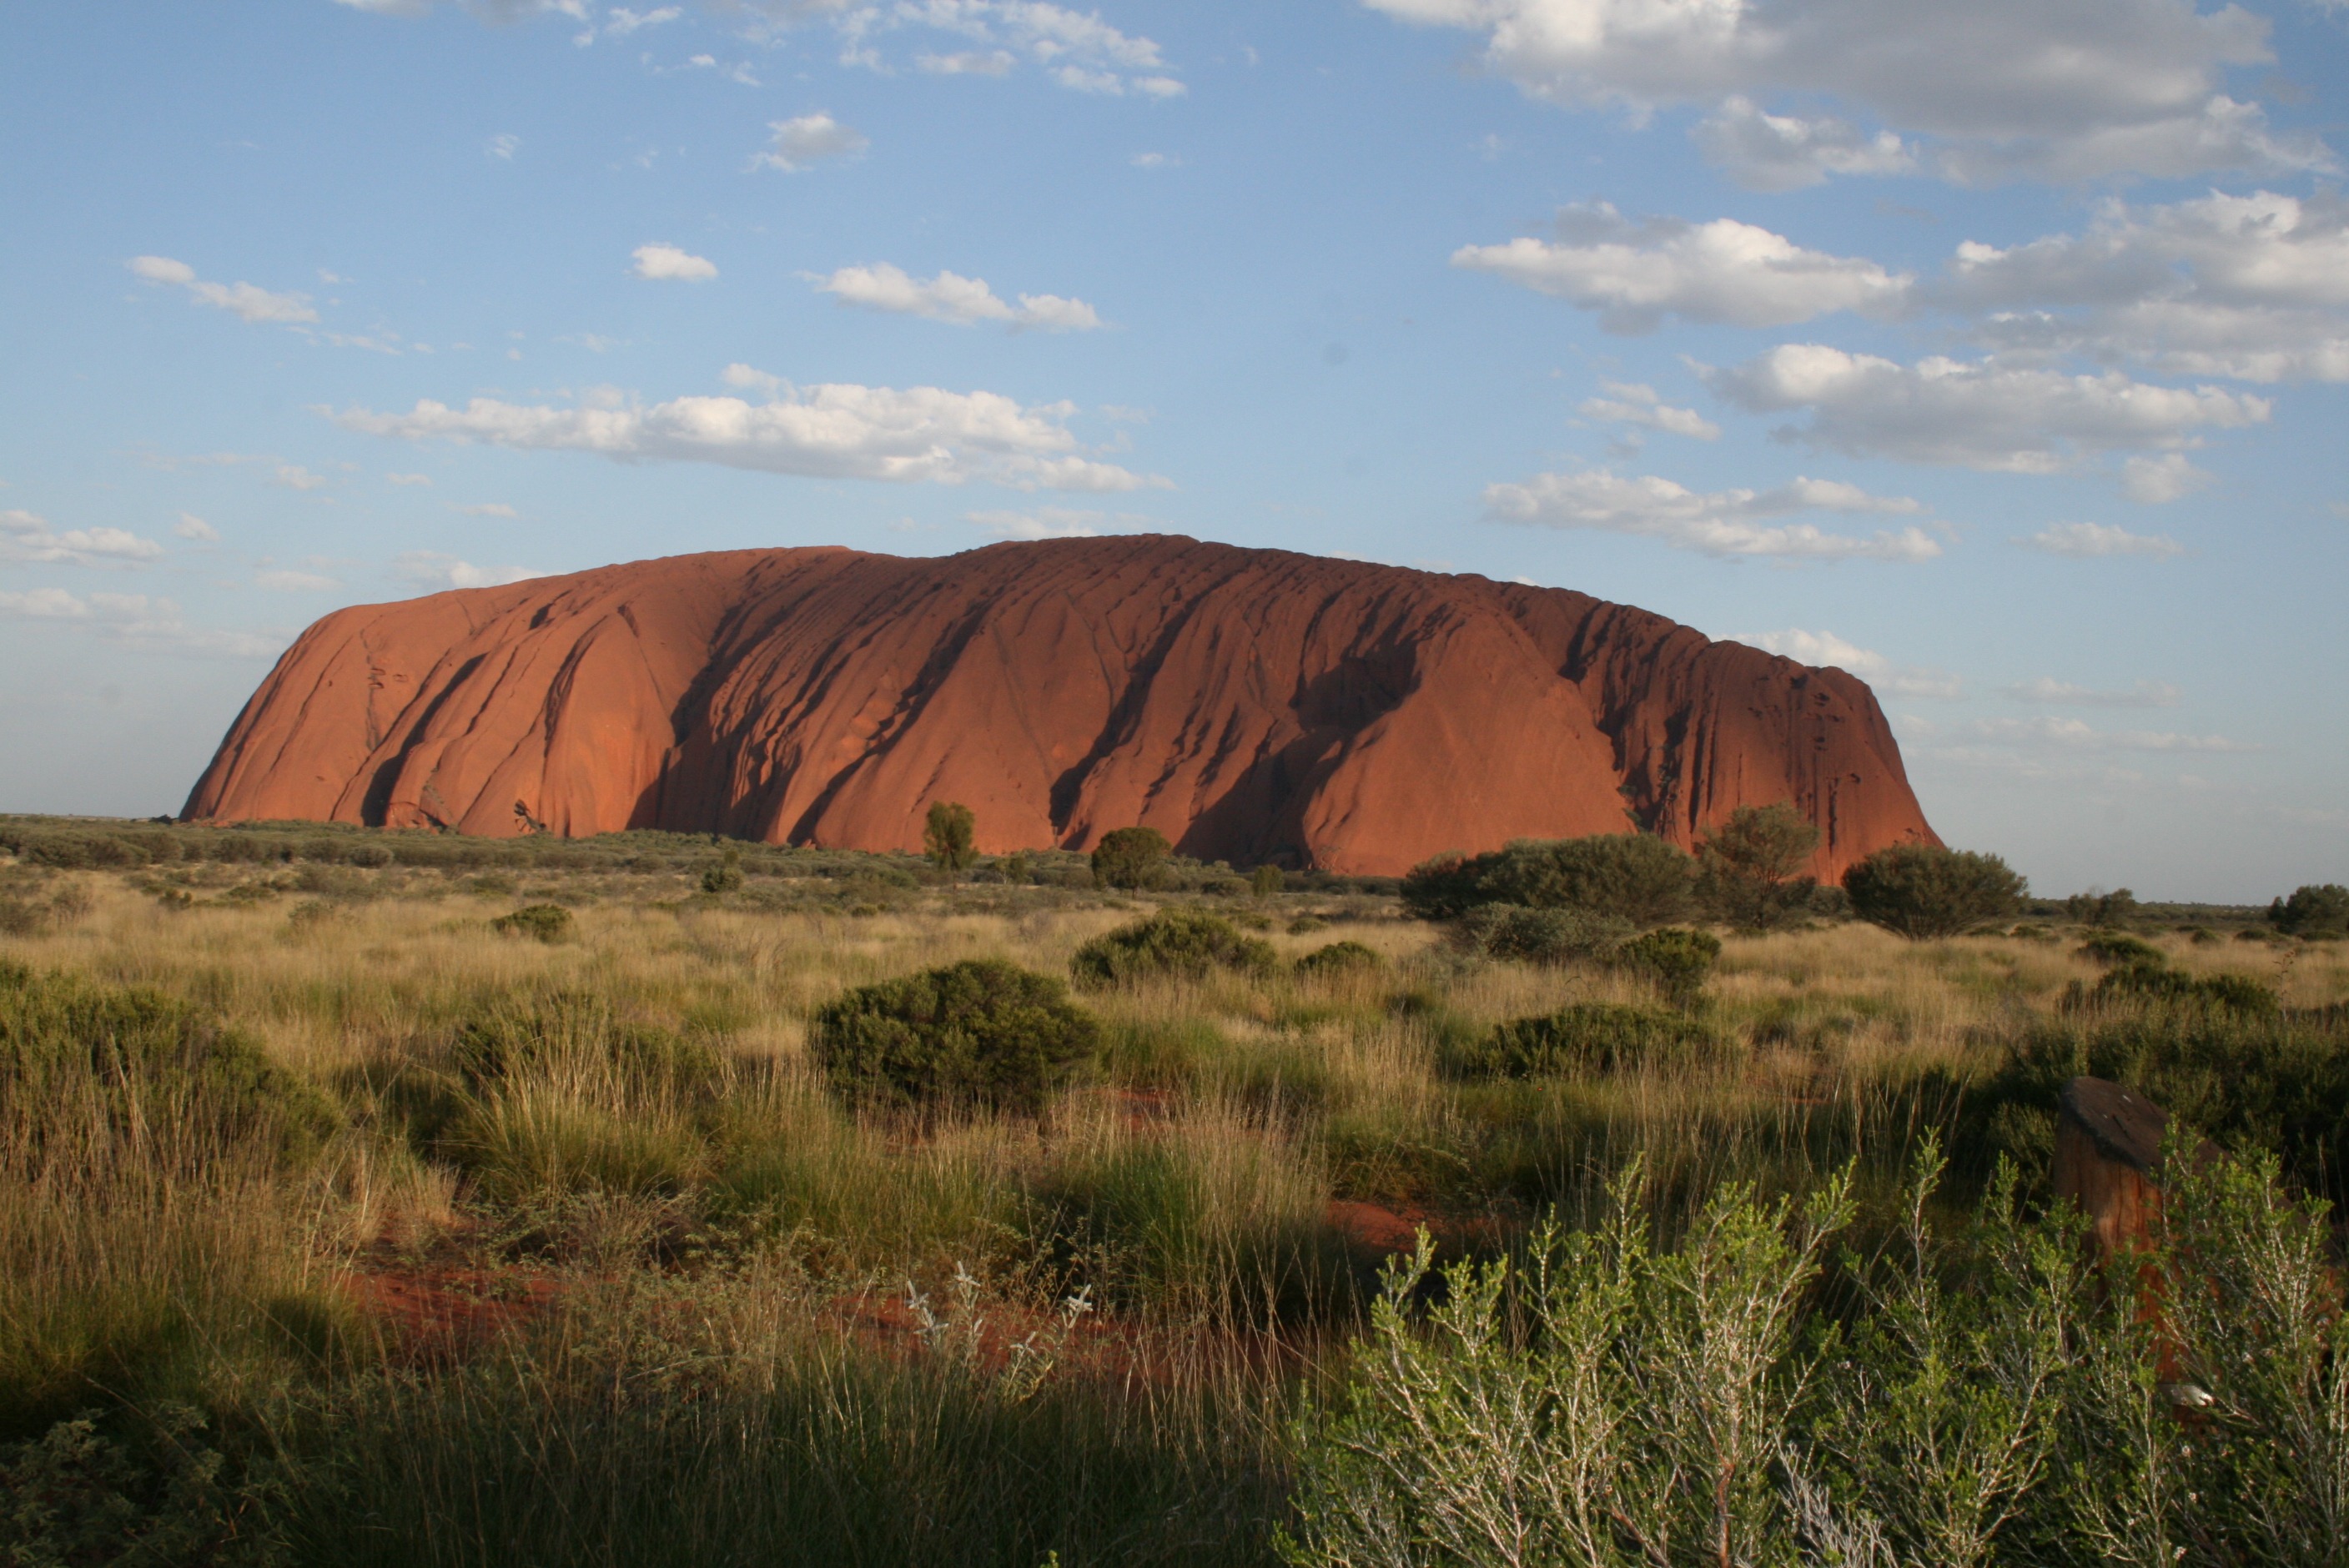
{"type": "Point", "coordinates": [1994, 351]}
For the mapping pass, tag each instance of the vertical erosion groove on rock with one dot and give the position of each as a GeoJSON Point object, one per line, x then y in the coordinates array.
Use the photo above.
{"type": "Point", "coordinates": [1251, 704]}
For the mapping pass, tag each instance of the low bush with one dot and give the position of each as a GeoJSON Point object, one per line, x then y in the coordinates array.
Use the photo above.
{"type": "Point", "coordinates": [981, 1033]}
{"type": "Point", "coordinates": [539, 922]}
{"type": "Point", "coordinates": [949, 834]}
{"type": "Point", "coordinates": [1629, 876]}
{"type": "Point", "coordinates": [1588, 1037]}
{"type": "Point", "coordinates": [1186, 943]}
{"type": "Point", "coordinates": [724, 875]}
{"type": "Point", "coordinates": [1514, 933]}
{"type": "Point", "coordinates": [1339, 958]}
{"type": "Point", "coordinates": [1678, 960]}
{"type": "Point", "coordinates": [1921, 891]}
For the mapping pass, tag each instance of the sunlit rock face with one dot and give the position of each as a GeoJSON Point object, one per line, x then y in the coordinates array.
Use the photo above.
{"type": "Point", "coordinates": [1252, 704]}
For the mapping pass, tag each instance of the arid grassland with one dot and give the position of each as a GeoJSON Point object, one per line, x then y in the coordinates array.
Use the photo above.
{"type": "Point", "coordinates": [344, 1220]}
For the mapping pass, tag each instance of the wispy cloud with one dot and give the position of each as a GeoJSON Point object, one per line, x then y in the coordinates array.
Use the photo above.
{"type": "Point", "coordinates": [950, 297]}
{"type": "Point", "coordinates": [1732, 522]}
{"type": "Point", "coordinates": [2092, 541]}
{"type": "Point", "coordinates": [247, 302]}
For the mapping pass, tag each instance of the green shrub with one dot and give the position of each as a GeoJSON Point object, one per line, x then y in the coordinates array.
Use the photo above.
{"type": "Point", "coordinates": [138, 1059]}
{"type": "Point", "coordinates": [78, 1496]}
{"type": "Point", "coordinates": [1266, 881]}
{"type": "Point", "coordinates": [1514, 933]}
{"type": "Point", "coordinates": [1129, 858]}
{"type": "Point", "coordinates": [1339, 958]}
{"type": "Point", "coordinates": [979, 1033]}
{"type": "Point", "coordinates": [1588, 1037]}
{"type": "Point", "coordinates": [1921, 891]}
{"type": "Point", "coordinates": [949, 835]}
{"type": "Point", "coordinates": [1629, 876]}
{"type": "Point", "coordinates": [1184, 944]}
{"type": "Point", "coordinates": [542, 922]}
{"type": "Point", "coordinates": [2315, 910]}
{"type": "Point", "coordinates": [724, 876]}
{"type": "Point", "coordinates": [1678, 960]}
{"type": "Point", "coordinates": [1750, 868]}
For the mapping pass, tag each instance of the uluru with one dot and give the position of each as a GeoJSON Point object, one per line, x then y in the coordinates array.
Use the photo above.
{"type": "Point", "coordinates": [1255, 705]}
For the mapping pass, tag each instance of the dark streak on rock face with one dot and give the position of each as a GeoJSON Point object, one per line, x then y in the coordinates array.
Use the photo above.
{"type": "Point", "coordinates": [1251, 704]}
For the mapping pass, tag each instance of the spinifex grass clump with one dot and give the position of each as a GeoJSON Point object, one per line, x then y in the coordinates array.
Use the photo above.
{"type": "Point", "coordinates": [1174, 943]}
{"type": "Point", "coordinates": [1588, 1037]}
{"type": "Point", "coordinates": [1339, 958]}
{"type": "Point", "coordinates": [539, 922]}
{"type": "Point", "coordinates": [1678, 961]}
{"type": "Point", "coordinates": [982, 1033]}
{"type": "Point", "coordinates": [71, 1052]}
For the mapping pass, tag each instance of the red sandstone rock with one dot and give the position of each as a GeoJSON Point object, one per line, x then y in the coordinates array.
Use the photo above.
{"type": "Point", "coordinates": [1251, 704]}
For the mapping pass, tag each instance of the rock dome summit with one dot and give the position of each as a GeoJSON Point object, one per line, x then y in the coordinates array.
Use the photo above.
{"type": "Point", "coordinates": [1252, 704]}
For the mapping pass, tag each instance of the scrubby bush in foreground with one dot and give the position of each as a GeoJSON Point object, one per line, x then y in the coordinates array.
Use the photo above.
{"type": "Point", "coordinates": [981, 1033]}
{"type": "Point", "coordinates": [1184, 944]}
{"type": "Point", "coordinates": [1613, 1401]}
{"type": "Point", "coordinates": [1628, 876]}
{"type": "Point", "coordinates": [1921, 891]}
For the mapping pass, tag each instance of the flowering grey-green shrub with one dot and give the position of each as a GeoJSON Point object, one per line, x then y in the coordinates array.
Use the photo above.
{"type": "Point", "coordinates": [1970, 1395]}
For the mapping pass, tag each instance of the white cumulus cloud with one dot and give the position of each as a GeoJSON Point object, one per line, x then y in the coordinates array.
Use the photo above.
{"type": "Point", "coordinates": [1881, 674]}
{"type": "Point", "coordinates": [191, 526]}
{"type": "Point", "coordinates": [2058, 89]}
{"type": "Point", "coordinates": [1733, 523]}
{"type": "Point", "coordinates": [2090, 540]}
{"type": "Point", "coordinates": [951, 298]}
{"type": "Point", "coordinates": [2252, 287]}
{"type": "Point", "coordinates": [27, 538]}
{"type": "Point", "coordinates": [914, 434]}
{"type": "Point", "coordinates": [666, 264]}
{"type": "Point", "coordinates": [247, 302]}
{"type": "Point", "coordinates": [807, 139]}
{"type": "Point", "coordinates": [1982, 414]}
{"type": "Point", "coordinates": [1636, 274]}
